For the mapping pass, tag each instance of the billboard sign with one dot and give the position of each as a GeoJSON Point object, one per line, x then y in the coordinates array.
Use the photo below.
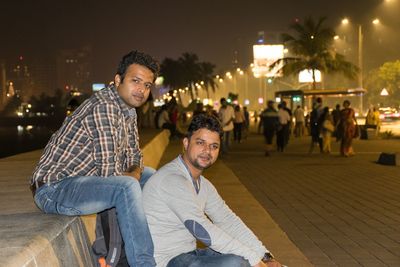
{"type": "Point", "coordinates": [264, 57]}
{"type": "Point", "coordinates": [305, 76]}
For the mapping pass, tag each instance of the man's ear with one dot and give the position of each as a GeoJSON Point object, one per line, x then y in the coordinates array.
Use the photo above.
{"type": "Point", "coordinates": [117, 80]}
{"type": "Point", "coordinates": [185, 143]}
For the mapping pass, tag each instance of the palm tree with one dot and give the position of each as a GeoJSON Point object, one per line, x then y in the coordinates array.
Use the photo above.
{"type": "Point", "coordinates": [190, 70]}
{"type": "Point", "coordinates": [187, 71]}
{"type": "Point", "coordinates": [207, 76]}
{"type": "Point", "coordinates": [312, 47]}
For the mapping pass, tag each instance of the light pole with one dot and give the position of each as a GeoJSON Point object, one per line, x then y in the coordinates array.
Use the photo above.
{"type": "Point", "coordinates": [345, 21]}
{"type": "Point", "coordinates": [360, 56]}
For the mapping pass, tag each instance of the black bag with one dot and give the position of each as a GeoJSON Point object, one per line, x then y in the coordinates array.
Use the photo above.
{"type": "Point", "coordinates": [108, 249]}
{"type": "Point", "coordinates": [387, 159]}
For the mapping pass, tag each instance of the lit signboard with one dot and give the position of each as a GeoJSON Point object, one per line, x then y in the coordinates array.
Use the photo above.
{"type": "Point", "coordinates": [264, 57]}
{"type": "Point", "coordinates": [305, 76]}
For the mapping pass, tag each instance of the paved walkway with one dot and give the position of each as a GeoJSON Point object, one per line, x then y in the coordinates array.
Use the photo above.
{"type": "Point", "coordinates": [337, 211]}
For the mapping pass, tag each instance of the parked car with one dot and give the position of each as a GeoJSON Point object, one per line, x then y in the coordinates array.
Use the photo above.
{"type": "Point", "coordinates": [389, 113]}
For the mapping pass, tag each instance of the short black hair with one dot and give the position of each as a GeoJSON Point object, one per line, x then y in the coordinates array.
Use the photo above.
{"type": "Point", "coordinates": [201, 121]}
{"type": "Point", "coordinates": [140, 58]}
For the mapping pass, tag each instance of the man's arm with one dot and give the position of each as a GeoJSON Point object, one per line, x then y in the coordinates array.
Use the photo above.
{"type": "Point", "coordinates": [229, 222]}
{"type": "Point", "coordinates": [180, 197]}
{"type": "Point", "coordinates": [101, 127]}
{"type": "Point", "coordinates": [133, 154]}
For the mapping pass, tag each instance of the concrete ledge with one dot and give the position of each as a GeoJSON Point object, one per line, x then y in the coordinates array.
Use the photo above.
{"type": "Point", "coordinates": [30, 238]}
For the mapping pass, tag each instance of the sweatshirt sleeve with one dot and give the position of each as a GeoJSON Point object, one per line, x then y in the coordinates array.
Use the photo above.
{"type": "Point", "coordinates": [222, 216]}
{"type": "Point", "coordinates": [180, 197]}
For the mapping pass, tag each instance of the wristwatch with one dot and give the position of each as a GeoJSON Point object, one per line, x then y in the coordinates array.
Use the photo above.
{"type": "Point", "coordinates": [267, 257]}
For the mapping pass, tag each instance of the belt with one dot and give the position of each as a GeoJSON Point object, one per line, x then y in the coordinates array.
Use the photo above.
{"type": "Point", "coordinates": [35, 186]}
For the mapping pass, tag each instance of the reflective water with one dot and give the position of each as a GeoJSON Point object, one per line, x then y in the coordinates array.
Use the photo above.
{"type": "Point", "coordinates": [18, 139]}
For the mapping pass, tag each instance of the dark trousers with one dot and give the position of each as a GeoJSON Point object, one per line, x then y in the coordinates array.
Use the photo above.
{"type": "Point", "coordinates": [237, 131]}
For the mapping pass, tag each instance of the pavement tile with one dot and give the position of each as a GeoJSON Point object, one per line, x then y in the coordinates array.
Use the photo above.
{"type": "Point", "coordinates": [329, 206]}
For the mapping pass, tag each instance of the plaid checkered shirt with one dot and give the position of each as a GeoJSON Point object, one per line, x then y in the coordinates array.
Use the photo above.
{"type": "Point", "coordinates": [99, 139]}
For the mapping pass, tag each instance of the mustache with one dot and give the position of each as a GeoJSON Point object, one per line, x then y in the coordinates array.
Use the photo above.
{"type": "Point", "coordinates": [207, 155]}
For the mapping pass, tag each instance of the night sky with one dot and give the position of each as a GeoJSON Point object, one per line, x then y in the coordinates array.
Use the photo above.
{"type": "Point", "coordinates": [212, 29]}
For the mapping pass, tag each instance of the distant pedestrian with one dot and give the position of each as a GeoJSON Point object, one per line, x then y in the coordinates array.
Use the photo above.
{"type": "Point", "coordinates": [336, 115]}
{"type": "Point", "coordinates": [299, 120]}
{"type": "Point", "coordinates": [336, 119]}
{"type": "Point", "coordinates": [270, 122]}
{"type": "Point", "coordinates": [226, 115]}
{"type": "Point", "coordinates": [315, 126]}
{"type": "Point", "coordinates": [289, 123]}
{"type": "Point", "coordinates": [372, 120]}
{"type": "Point", "coordinates": [347, 129]}
{"type": "Point", "coordinates": [283, 129]}
{"type": "Point", "coordinates": [327, 129]}
{"type": "Point", "coordinates": [164, 121]}
{"type": "Point", "coordinates": [238, 123]}
{"type": "Point", "coordinates": [246, 122]}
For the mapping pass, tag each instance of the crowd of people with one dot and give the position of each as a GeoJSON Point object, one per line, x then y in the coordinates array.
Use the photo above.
{"type": "Point", "coordinates": [321, 124]}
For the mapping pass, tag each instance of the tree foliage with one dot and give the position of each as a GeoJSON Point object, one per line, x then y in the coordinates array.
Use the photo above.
{"type": "Point", "coordinates": [386, 76]}
{"type": "Point", "coordinates": [312, 48]}
{"type": "Point", "coordinates": [186, 71]}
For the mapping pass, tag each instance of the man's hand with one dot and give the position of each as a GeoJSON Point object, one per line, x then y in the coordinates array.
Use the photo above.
{"type": "Point", "coordinates": [133, 171]}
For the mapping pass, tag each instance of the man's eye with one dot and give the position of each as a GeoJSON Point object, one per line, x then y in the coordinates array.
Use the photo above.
{"type": "Point", "coordinates": [199, 142]}
{"type": "Point", "coordinates": [148, 85]}
{"type": "Point", "coordinates": [214, 147]}
{"type": "Point", "coordinates": [136, 81]}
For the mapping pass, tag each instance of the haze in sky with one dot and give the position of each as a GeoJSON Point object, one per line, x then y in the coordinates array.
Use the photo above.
{"type": "Point", "coordinates": [213, 29]}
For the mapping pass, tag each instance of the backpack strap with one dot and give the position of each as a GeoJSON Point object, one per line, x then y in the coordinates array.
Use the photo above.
{"type": "Point", "coordinates": [101, 256]}
{"type": "Point", "coordinates": [115, 244]}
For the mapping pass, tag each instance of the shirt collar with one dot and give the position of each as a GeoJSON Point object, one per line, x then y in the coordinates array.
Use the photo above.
{"type": "Point", "coordinates": [196, 184]}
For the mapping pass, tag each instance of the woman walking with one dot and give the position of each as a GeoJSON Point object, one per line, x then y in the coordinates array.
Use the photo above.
{"type": "Point", "coordinates": [347, 129]}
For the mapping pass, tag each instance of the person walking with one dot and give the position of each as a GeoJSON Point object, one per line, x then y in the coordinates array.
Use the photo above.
{"type": "Point", "coordinates": [288, 131]}
{"type": "Point", "coordinates": [299, 120]}
{"type": "Point", "coordinates": [327, 129]}
{"type": "Point", "coordinates": [283, 128]}
{"type": "Point", "coordinates": [227, 115]}
{"type": "Point", "coordinates": [315, 125]}
{"type": "Point", "coordinates": [347, 129]}
{"type": "Point", "coordinates": [238, 123]}
{"type": "Point", "coordinates": [270, 120]}
{"type": "Point", "coordinates": [94, 162]}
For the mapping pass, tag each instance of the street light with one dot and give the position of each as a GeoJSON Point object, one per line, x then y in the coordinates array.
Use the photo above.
{"type": "Point", "coordinates": [346, 21]}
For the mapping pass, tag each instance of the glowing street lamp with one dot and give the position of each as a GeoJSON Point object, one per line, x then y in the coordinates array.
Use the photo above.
{"type": "Point", "coordinates": [346, 21]}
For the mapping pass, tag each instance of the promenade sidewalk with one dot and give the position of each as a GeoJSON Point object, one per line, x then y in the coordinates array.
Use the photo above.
{"type": "Point", "coordinates": [338, 211]}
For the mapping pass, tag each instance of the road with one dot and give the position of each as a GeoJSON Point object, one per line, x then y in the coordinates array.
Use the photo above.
{"type": "Point", "coordinates": [393, 126]}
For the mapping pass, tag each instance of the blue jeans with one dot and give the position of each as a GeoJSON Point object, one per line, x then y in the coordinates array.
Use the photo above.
{"type": "Point", "coordinates": [92, 194]}
{"type": "Point", "coordinates": [207, 258]}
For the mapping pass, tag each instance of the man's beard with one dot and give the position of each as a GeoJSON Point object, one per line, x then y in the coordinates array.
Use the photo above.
{"type": "Point", "coordinates": [197, 165]}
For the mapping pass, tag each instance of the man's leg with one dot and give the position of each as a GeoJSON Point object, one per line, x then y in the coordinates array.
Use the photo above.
{"type": "Point", "coordinates": [146, 174]}
{"type": "Point", "coordinates": [207, 258]}
{"type": "Point", "coordinates": [90, 194]}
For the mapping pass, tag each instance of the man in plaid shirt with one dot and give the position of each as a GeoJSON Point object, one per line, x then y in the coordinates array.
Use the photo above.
{"type": "Point", "coordinates": [93, 162]}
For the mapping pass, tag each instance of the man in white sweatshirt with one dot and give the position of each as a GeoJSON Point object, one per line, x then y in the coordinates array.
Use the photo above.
{"type": "Point", "coordinates": [182, 206]}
